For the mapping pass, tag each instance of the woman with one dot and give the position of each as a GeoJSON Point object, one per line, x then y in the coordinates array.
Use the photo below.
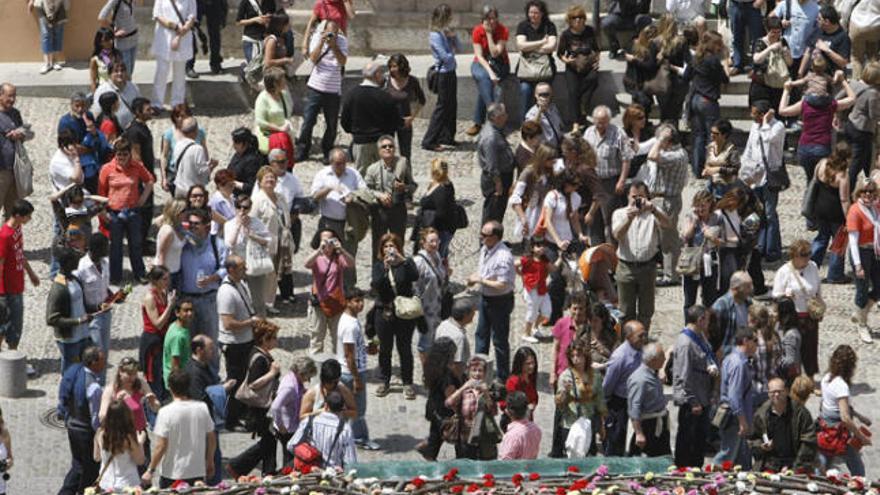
{"type": "Point", "coordinates": [531, 135]}
{"type": "Point", "coordinates": [563, 232]}
{"type": "Point", "coordinates": [802, 388]}
{"type": "Point", "coordinates": [734, 247]}
{"type": "Point", "coordinates": [674, 51]}
{"type": "Point", "coordinates": [157, 310]}
{"type": "Point", "coordinates": [407, 93]}
{"type": "Point", "coordinates": [837, 410]}
{"type": "Point", "coordinates": [523, 378]}
{"type": "Point", "coordinates": [799, 280]}
{"type": "Point", "coordinates": [790, 362]}
{"type": "Point", "coordinates": [269, 209]}
{"type": "Point", "coordinates": [444, 46]}
{"type": "Point", "coordinates": [103, 55]}
{"type": "Point", "coordinates": [722, 160]}
{"type": "Point", "coordinates": [702, 227]}
{"type": "Point", "coordinates": [221, 202]}
{"type": "Point", "coordinates": [441, 381]}
{"type": "Point", "coordinates": [263, 371]}
{"type": "Point", "coordinates": [765, 363]}
{"type": "Point", "coordinates": [578, 395]}
{"type": "Point", "coordinates": [466, 402]}
{"type": "Point", "coordinates": [536, 41]}
{"type": "Point", "coordinates": [394, 275]}
{"type": "Point", "coordinates": [641, 135]}
{"type": "Point", "coordinates": [247, 159]}
{"type": "Point", "coordinates": [579, 51]}
{"type": "Point", "coordinates": [51, 15]}
{"type": "Point", "coordinates": [272, 111]}
{"type": "Point", "coordinates": [530, 189]}
{"type": "Point", "coordinates": [711, 69]}
{"type": "Point", "coordinates": [238, 232]}
{"type": "Point", "coordinates": [437, 204]}
{"type": "Point", "coordinates": [578, 155]}
{"type": "Point", "coordinates": [66, 309]}
{"type": "Point", "coordinates": [771, 47]}
{"type": "Point", "coordinates": [274, 48]}
{"type": "Point", "coordinates": [491, 64]}
{"type": "Point", "coordinates": [603, 336]}
{"type": "Point", "coordinates": [286, 405]}
{"type": "Point", "coordinates": [128, 388]}
{"type": "Point", "coordinates": [431, 286]}
{"type": "Point", "coordinates": [5, 450]}
{"type": "Point", "coordinates": [171, 238]}
{"type": "Point", "coordinates": [107, 122]}
{"type": "Point", "coordinates": [173, 45]}
{"type": "Point", "coordinates": [859, 128]}
{"type": "Point", "coordinates": [168, 168]}
{"type": "Point", "coordinates": [197, 198]}
{"type": "Point", "coordinates": [861, 221]}
{"type": "Point", "coordinates": [641, 67]}
{"type": "Point", "coordinates": [830, 206]}
{"type": "Point", "coordinates": [119, 448]}
{"type": "Point", "coordinates": [253, 17]}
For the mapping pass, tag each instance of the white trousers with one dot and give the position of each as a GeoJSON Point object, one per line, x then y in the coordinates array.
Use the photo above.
{"type": "Point", "coordinates": [178, 81]}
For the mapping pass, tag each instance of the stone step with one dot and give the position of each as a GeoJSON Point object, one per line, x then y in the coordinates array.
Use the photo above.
{"type": "Point", "coordinates": [733, 106]}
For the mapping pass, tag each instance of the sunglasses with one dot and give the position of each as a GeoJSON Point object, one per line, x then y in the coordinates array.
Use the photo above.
{"type": "Point", "coordinates": [387, 146]}
{"type": "Point", "coordinates": [197, 195]}
{"type": "Point", "coordinates": [544, 95]}
{"type": "Point", "coordinates": [197, 224]}
{"type": "Point", "coordinates": [579, 17]}
{"type": "Point", "coordinates": [244, 207]}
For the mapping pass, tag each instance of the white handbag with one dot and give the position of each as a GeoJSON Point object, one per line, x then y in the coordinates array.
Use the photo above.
{"type": "Point", "coordinates": [580, 435]}
{"type": "Point", "coordinates": [259, 261]}
{"type": "Point", "coordinates": [24, 172]}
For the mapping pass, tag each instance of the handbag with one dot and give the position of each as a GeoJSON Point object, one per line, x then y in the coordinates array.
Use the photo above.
{"type": "Point", "coordinates": [815, 306]}
{"type": "Point", "coordinates": [259, 261]}
{"type": "Point", "coordinates": [722, 416]}
{"type": "Point", "coordinates": [808, 204]}
{"type": "Point", "coordinates": [450, 429]}
{"type": "Point", "coordinates": [580, 435]}
{"type": "Point", "coordinates": [690, 261]}
{"type": "Point", "coordinates": [197, 33]}
{"type": "Point", "coordinates": [253, 71]}
{"type": "Point", "coordinates": [777, 72]}
{"type": "Point", "coordinates": [777, 179]}
{"type": "Point", "coordinates": [405, 307]}
{"type": "Point", "coordinates": [832, 440]}
{"type": "Point", "coordinates": [534, 67]}
{"type": "Point", "coordinates": [24, 172]}
{"type": "Point", "coordinates": [306, 455]}
{"type": "Point", "coordinates": [433, 79]}
{"type": "Point", "coordinates": [258, 399]}
{"type": "Point", "coordinates": [459, 217]}
{"type": "Point", "coordinates": [659, 84]}
{"type": "Point", "coordinates": [541, 225]}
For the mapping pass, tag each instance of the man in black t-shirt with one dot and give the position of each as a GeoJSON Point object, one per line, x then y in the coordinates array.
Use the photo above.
{"type": "Point", "coordinates": [831, 39]}
{"type": "Point", "coordinates": [141, 139]}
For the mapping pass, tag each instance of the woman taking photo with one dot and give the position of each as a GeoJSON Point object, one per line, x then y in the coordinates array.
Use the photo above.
{"type": "Point", "coordinates": [272, 111]}
{"type": "Point", "coordinates": [578, 395]}
{"type": "Point", "coordinates": [467, 401]}
{"type": "Point", "coordinates": [530, 189]}
{"type": "Point", "coordinates": [394, 275]}
{"type": "Point", "coordinates": [861, 221]}
{"type": "Point", "coordinates": [830, 205]}
{"type": "Point", "coordinates": [563, 232]}
{"type": "Point", "coordinates": [167, 167]}
{"type": "Point", "coordinates": [407, 93]}
{"type": "Point", "coordinates": [432, 284]}
{"type": "Point", "coordinates": [491, 64]}
{"type": "Point", "coordinates": [157, 309]}
{"type": "Point", "coordinates": [263, 371]}
{"type": "Point", "coordinates": [437, 204]}
{"type": "Point", "coordinates": [240, 230]}
{"type": "Point", "coordinates": [119, 449]}
{"type": "Point", "coordinates": [444, 46]}
{"type": "Point", "coordinates": [246, 160]}
{"type": "Point", "coordinates": [702, 227]}
{"type": "Point", "coordinates": [641, 135]}
{"type": "Point", "coordinates": [269, 209]}
{"type": "Point", "coordinates": [771, 47]}
{"type": "Point", "coordinates": [837, 410]}
{"type": "Point", "coordinates": [711, 69]}
{"type": "Point", "coordinates": [859, 128]}
{"type": "Point", "coordinates": [535, 36]}
{"type": "Point", "coordinates": [579, 51]}
{"type": "Point", "coordinates": [441, 381]}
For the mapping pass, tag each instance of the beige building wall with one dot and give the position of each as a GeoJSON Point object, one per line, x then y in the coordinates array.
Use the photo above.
{"type": "Point", "coordinates": [20, 34]}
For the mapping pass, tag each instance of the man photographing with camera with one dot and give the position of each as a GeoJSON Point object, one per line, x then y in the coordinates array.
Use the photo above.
{"type": "Point", "coordinates": [327, 263]}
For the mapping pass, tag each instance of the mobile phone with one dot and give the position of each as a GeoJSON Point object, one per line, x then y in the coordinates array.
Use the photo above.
{"type": "Point", "coordinates": [638, 203]}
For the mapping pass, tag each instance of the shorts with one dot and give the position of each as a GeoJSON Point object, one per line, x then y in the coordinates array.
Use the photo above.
{"type": "Point", "coordinates": [536, 304]}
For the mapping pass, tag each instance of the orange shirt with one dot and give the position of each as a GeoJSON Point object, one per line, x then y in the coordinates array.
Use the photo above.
{"type": "Point", "coordinates": [857, 221]}
{"type": "Point", "coordinates": [120, 185]}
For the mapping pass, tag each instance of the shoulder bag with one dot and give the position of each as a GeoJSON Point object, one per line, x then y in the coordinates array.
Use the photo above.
{"type": "Point", "coordinates": [24, 172]}
{"type": "Point", "coordinates": [580, 435]}
{"type": "Point", "coordinates": [253, 71]}
{"type": "Point", "coordinates": [777, 70]}
{"type": "Point", "coordinates": [459, 217]}
{"type": "Point", "coordinates": [690, 261]}
{"type": "Point", "coordinates": [334, 303]}
{"type": "Point", "coordinates": [258, 399]}
{"type": "Point", "coordinates": [534, 67]}
{"type": "Point", "coordinates": [815, 305]}
{"type": "Point", "coordinates": [808, 204]}
{"type": "Point", "coordinates": [659, 84]}
{"type": "Point", "coordinates": [259, 261]}
{"type": "Point", "coordinates": [197, 30]}
{"type": "Point", "coordinates": [405, 307]}
{"type": "Point", "coordinates": [777, 179]}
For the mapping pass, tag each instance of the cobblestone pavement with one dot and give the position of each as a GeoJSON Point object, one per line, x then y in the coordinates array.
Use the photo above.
{"type": "Point", "coordinates": [41, 452]}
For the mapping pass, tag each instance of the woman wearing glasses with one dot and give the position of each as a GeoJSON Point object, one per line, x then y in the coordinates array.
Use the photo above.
{"type": "Point", "coordinates": [861, 222]}
{"type": "Point", "coordinates": [240, 230]}
{"type": "Point", "coordinates": [579, 51]}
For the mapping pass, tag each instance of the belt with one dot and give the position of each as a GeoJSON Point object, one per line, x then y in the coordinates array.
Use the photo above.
{"type": "Point", "coordinates": [658, 425]}
{"type": "Point", "coordinates": [499, 296]}
{"type": "Point", "coordinates": [637, 263]}
{"type": "Point", "coordinates": [127, 35]}
{"type": "Point", "coordinates": [200, 294]}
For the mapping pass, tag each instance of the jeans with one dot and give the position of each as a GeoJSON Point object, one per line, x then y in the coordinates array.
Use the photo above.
{"type": "Point", "coordinates": [770, 237]}
{"type": "Point", "coordinates": [488, 91]}
{"type": "Point", "coordinates": [51, 37]}
{"type": "Point", "coordinates": [733, 447]}
{"type": "Point", "coordinates": [359, 429]}
{"type": "Point", "coordinates": [71, 352]}
{"type": "Point", "coordinates": [868, 288]}
{"type": "Point", "coordinates": [128, 58]}
{"type": "Point", "coordinates": [328, 103]}
{"type": "Point", "coordinates": [83, 468]}
{"type": "Point", "coordinates": [743, 17]}
{"type": "Point", "coordinates": [820, 245]}
{"type": "Point", "coordinates": [704, 112]}
{"type": "Point", "coordinates": [580, 94]}
{"type": "Point", "coordinates": [445, 241]}
{"type": "Point", "coordinates": [11, 330]}
{"type": "Point", "coordinates": [206, 321]}
{"type": "Point", "coordinates": [127, 224]}
{"type": "Point", "coordinates": [808, 155]}
{"type": "Point", "coordinates": [690, 440]}
{"type": "Point", "coordinates": [404, 141]}
{"type": "Point", "coordinates": [248, 49]}
{"type": "Point", "coordinates": [852, 458]}
{"type": "Point", "coordinates": [441, 129]}
{"type": "Point", "coordinates": [862, 150]}
{"type": "Point", "coordinates": [494, 324]}
{"type": "Point", "coordinates": [236, 358]}
{"type": "Point", "coordinates": [615, 427]}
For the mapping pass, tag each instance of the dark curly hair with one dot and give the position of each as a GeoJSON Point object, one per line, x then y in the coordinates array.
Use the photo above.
{"type": "Point", "coordinates": [843, 363]}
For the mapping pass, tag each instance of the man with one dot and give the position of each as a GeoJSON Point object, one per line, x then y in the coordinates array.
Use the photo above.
{"type": "Point", "coordinates": [522, 439]}
{"type": "Point", "coordinates": [190, 160]}
{"type": "Point", "coordinates": [351, 352]}
{"type": "Point", "coordinates": [328, 52]}
{"type": "Point", "coordinates": [368, 112]}
{"type": "Point", "coordinates": [330, 433]}
{"type": "Point", "coordinates": [762, 168]}
{"type": "Point", "coordinates": [454, 328]}
{"type": "Point", "coordinates": [215, 11]}
{"type": "Point", "coordinates": [65, 310]}
{"type": "Point", "coordinates": [94, 276]}
{"type": "Point", "coordinates": [202, 269]}
{"type": "Point", "coordinates": [141, 139]}
{"type": "Point", "coordinates": [184, 438]}
{"type": "Point", "coordinates": [800, 27]}
{"type": "Point", "coordinates": [391, 181]}
{"type": "Point", "coordinates": [737, 398]}
{"type": "Point", "coordinates": [613, 154]}
{"type": "Point", "coordinates": [622, 15]}
{"type": "Point", "coordinates": [495, 278]}
{"type": "Point", "coordinates": [732, 309]}
{"type": "Point", "coordinates": [314, 399]}
{"type": "Point", "coordinates": [79, 402]}
{"type": "Point", "coordinates": [496, 162]}
{"type": "Point", "coordinates": [328, 264]}
{"type": "Point", "coordinates": [694, 369]}
{"type": "Point", "coordinates": [176, 346]}
{"type": "Point", "coordinates": [126, 91]}
{"type": "Point", "coordinates": [126, 184]}
{"type": "Point", "coordinates": [831, 39]}
{"type": "Point", "coordinates": [646, 405]}
{"type": "Point", "coordinates": [235, 308]}
{"type": "Point", "coordinates": [637, 228]}
{"type": "Point", "coordinates": [545, 113]}
{"type": "Point", "coordinates": [783, 433]}
{"type": "Point", "coordinates": [89, 144]}
{"type": "Point", "coordinates": [13, 266]}
{"type": "Point", "coordinates": [622, 363]}
{"type": "Point", "coordinates": [12, 131]}
{"type": "Point", "coordinates": [746, 19]}
{"type": "Point", "coordinates": [671, 161]}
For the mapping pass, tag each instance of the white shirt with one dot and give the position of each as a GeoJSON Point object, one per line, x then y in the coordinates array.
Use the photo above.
{"type": "Point", "coordinates": [289, 188]}
{"type": "Point", "coordinates": [333, 206]}
{"type": "Point", "coordinates": [832, 391]}
{"type": "Point", "coordinates": [559, 206]}
{"type": "Point", "coordinates": [61, 171]}
{"type": "Point", "coordinates": [192, 166]}
{"type": "Point", "coordinates": [450, 329]}
{"type": "Point", "coordinates": [185, 424]}
{"type": "Point", "coordinates": [234, 299]}
{"type": "Point", "coordinates": [641, 240]}
{"type": "Point", "coordinates": [752, 170]}
{"type": "Point", "coordinates": [786, 283]}
{"type": "Point", "coordinates": [95, 284]}
{"type": "Point", "coordinates": [349, 332]}
{"type": "Point", "coordinates": [175, 247]}
{"type": "Point", "coordinates": [162, 36]}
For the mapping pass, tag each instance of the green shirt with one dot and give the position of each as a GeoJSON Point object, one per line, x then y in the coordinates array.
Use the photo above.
{"type": "Point", "coordinates": [589, 406]}
{"type": "Point", "coordinates": [176, 345]}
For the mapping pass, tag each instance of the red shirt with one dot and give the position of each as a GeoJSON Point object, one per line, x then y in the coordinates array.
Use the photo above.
{"type": "Point", "coordinates": [515, 383]}
{"type": "Point", "coordinates": [108, 128]}
{"type": "Point", "coordinates": [332, 10]}
{"type": "Point", "coordinates": [534, 274]}
{"type": "Point", "coordinates": [121, 185]}
{"type": "Point", "coordinates": [12, 254]}
{"type": "Point", "coordinates": [501, 33]}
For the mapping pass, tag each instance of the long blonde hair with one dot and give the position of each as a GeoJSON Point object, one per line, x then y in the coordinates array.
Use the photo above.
{"type": "Point", "coordinates": [642, 46]}
{"type": "Point", "coordinates": [171, 212]}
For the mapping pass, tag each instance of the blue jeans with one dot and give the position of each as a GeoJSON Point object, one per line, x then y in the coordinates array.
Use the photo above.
{"type": "Point", "coordinates": [733, 447]}
{"type": "Point", "coordinates": [494, 324]}
{"type": "Point", "coordinates": [99, 332]}
{"type": "Point", "coordinates": [743, 17]}
{"type": "Point", "coordinates": [868, 288]}
{"type": "Point", "coordinates": [445, 240]}
{"type": "Point", "coordinates": [315, 101]}
{"type": "Point", "coordinates": [488, 92]}
{"type": "Point", "coordinates": [527, 96]}
{"type": "Point", "coordinates": [820, 245]}
{"type": "Point", "coordinates": [248, 49]}
{"type": "Point", "coordinates": [126, 223]}
{"type": "Point", "coordinates": [11, 330]}
{"type": "Point", "coordinates": [128, 58]}
{"type": "Point", "coordinates": [770, 237]}
{"type": "Point", "coordinates": [51, 37]}
{"type": "Point", "coordinates": [704, 113]}
{"type": "Point", "coordinates": [808, 155]}
{"type": "Point", "coordinates": [71, 352]}
{"type": "Point", "coordinates": [359, 429]}
{"type": "Point", "coordinates": [853, 459]}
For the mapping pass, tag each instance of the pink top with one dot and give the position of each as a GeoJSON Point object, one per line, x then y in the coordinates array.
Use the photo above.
{"type": "Point", "coordinates": [817, 124]}
{"type": "Point", "coordinates": [135, 404]}
{"type": "Point", "coordinates": [564, 331]}
{"type": "Point", "coordinates": [522, 441]}
{"type": "Point", "coordinates": [327, 274]}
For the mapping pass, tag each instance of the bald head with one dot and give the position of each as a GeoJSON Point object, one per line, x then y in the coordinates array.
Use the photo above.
{"type": "Point", "coordinates": [7, 88]}
{"type": "Point", "coordinates": [374, 71]}
{"type": "Point", "coordinates": [635, 333]}
{"type": "Point", "coordinates": [189, 127]}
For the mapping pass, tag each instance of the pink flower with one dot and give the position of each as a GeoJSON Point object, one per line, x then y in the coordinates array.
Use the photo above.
{"type": "Point", "coordinates": [602, 471]}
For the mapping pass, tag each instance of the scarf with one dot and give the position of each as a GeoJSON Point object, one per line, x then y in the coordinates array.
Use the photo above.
{"type": "Point", "coordinates": [872, 215]}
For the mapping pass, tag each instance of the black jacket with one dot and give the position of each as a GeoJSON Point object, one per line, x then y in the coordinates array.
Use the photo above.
{"type": "Point", "coordinates": [369, 112]}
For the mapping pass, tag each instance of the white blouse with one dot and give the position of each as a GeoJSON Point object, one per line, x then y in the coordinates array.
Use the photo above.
{"type": "Point", "coordinates": [175, 248]}
{"type": "Point", "coordinates": [559, 207]}
{"type": "Point", "coordinates": [786, 283]}
{"type": "Point", "coordinates": [162, 36]}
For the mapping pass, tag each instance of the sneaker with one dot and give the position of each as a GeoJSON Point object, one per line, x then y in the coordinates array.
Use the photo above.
{"type": "Point", "coordinates": [383, 390]}
{"type": "Point", "coordinates": [409, 392]}
{"type": "Point", "coordinates": [57, 66]}
{"type": "Point", "coordinates": [192, 74]}
{"type": "Point", "coordinates": [45, 69]}
{"type": "Point", "coordinates": [272, 311]}
{"type": "Point", "coordinates": [865, 334]}
{"type": "Point", "coordinates": [29, 369]}
{"type": "Point", "coordinates": [369, 445]}
{"type": "Point", "coordinates": [542, 334]}
{"type": "Point", "coordinates": [473, 130]}
{"type": "Point", "coordinates": [529, 339]}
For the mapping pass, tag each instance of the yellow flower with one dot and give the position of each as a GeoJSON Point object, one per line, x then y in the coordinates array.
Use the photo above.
{"type": "Point", "coordinates": [649, 476]}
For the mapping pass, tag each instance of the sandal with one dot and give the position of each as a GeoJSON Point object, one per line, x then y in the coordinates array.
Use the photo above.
{"type": "Point", "coordinates": [409, 393]}
{"type": "Point", "coordinates": [383, 390]}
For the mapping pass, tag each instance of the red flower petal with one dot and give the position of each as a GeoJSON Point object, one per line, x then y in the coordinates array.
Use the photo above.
{"type": "Point", "coordinates": [457, 489]}
{"type": "Point", "coordinates": [727, 465]}
{"type": "Point", "coordinates": [489, 483]}
{"type": "Point", "coordinates": [560, 490]}
{"type": "Point", "coordinates": [534, 477]}
{"type": "Point", "coordinates": [578, 485]}
{"type": "Point", "coordinates": [573, 469]}
{"type": "Point", "coordinates": [473, 487]}
{"type": "Point", "coordinates": [286, 470]}
{"type": "Point", "coordinates": [517, 479]}
{"type": "Point", "coordinates": [306, 469]}
{"type": "Point", "coordinates": [488, 476]}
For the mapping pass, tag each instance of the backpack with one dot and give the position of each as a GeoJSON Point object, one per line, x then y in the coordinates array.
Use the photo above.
{"type": "Point", "coordinates": [306, 455]}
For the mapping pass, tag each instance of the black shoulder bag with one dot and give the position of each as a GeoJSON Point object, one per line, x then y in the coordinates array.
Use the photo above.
{"type": "Point", "coordinates": [196, 31]}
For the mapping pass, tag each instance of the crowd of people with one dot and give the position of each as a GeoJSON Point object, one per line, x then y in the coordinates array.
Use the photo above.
{"type": "Point", "coordinates": [597, 209]}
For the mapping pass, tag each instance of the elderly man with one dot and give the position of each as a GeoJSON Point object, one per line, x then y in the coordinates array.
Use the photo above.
{"type": "Point", "coordinates": [495, 278]}
{"type": "Point", "coordinates": [369, 112]}
{"type": "Point", "coordinates": [79, 402]}
{"type": "Point", "coordinates": [694, 368]}
{"type": "Point", "coordinates": [454, 328]}
{"type": "Point", "coordinates": [671, 161]}
{"type": "Point", "coordinates": [329, 432]}
{"type": "Point", "coordinates": [637, 228]}
{"type": "Point", "coordinates": [732, 310]}
{"type": "Point", "coordinates": [391, 181]}
{"type": "Point", "coordinates": [613, 154]}
{"type": "Point", "coordinates": [496, 162]}
{"type": "Point", "coordinates": [289, 188]}
{"type": "Point", "coordinates": [622, 363]}
{"type": "Point", "coordinates": [545, 113]}
{"type": "Point", "coordinates": [646, 405]}
{"type": "Point", "coordinates": [125, 90]}
{"type": "Point", "coordinates": [190, 160]}
{"type": "Point", "coordinates": [12, 131]}
{"type": "Point", "coordinates": [328, 52]}
{"type": "Point", "coordinates": [736, 408]}
{"type": "Point", "coordinates": [783, 433]}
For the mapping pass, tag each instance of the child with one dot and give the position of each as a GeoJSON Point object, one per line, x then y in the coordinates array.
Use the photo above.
{"type": "Point", "coordinates": [766, 360]}
{"type": "Point", "coordinates": [352, 356]}
{"type": "Point", "coordinates": [72, 205]}
{"type": "Point", "coordinates": [818, 83]}
{"type": "Point", "coordinates": [534, 270]}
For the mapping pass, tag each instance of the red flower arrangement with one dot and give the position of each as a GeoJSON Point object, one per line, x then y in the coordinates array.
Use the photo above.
{"type": "Point", "coordinates": [517, 479]}
{"type": "Point", "coordinates": [534, 477]}
{"type": "Point", "coordinates": [457, 489]}
{"type": "Point", "coordinates": [417, 482]}
{"type": "Point", "coordinates": [727, 465]}
{"type": "Point", "coordinates": [451, 474]}
{"type": "Point", "coordinates": [573, 469]}
{"type": "Point", "coordinates": [286, 470]}
{"type": "Point", "coordinates": [473, 487]}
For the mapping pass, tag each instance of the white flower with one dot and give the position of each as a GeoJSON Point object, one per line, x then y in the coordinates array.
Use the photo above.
{"type": "Point", "coordinates": [741, 476]}
{"type": "Point", "coordinates": [775, 477]}
{"type": "Point", "coordinates": [812, 487]}
{"type": "Point", "coordinates": [741, 486]}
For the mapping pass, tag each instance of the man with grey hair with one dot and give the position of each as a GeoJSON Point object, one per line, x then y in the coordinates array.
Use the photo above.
{"type": "Point", "coordinates": [496, 162]}
{"type": "Point", "coordinates": [391, 182]}
{"type": "Point", "coordinates": [12, 131]}
{"type": "Point", "coordinates": [732, 309]}
{"type": "Point", "coordinates": [613, 154]}
{"type": "Point", "coordinates": [544, 112]}
{"type": "Point", "coordinates": [368, 112]}
{"type": "Point", "coordinates": [189, 160]}
{"type": "Point", "coordinates": [646, 405]}
{"type": "Point", "coordinates": [454, 328]}
{"type": "Point", "coordinates": [669, 162]}
{"type": "Point", "coordinates": [622, 363]}
{"type": "Point", "coordinates": [126, 91]}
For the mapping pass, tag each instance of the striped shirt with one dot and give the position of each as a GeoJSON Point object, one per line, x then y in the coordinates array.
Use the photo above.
{"type": "Point", "coordinates": [326, 77]}
{"type": "Point", "coordinates": [324, 428]}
